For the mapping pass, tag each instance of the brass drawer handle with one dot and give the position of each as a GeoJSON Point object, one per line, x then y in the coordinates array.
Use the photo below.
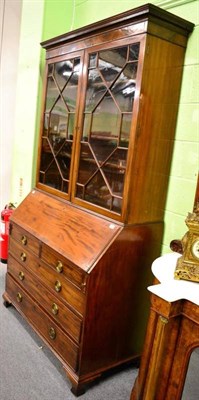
{"type": "Point", "coordinates": [23, 257]}
{"type": "Point", "coordinates": [19, 297]}
{"type": "Point", "coordinates": [24, 240]}
{"type": "Point", "coordinates": [55, 309]}
{"type": "Point", "coordinates": [59, 267]}
{"type": "Point", "coordinates": [52, 333]}
{"type": "Point", "coordinates": [57, 286]}
{"type": "Point", "coordinates": [21, 276]}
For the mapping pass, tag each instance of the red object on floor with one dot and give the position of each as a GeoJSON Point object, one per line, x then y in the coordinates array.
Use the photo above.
{"type": "Point", "coordinates": [5, 217]}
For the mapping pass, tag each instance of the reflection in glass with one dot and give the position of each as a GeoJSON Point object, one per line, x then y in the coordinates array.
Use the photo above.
{"type": "Point", "coordinates": [124, 88]}
{"type": "Point", "coordinates": [125, 130]}
{"type": "Point", "coordinates": [134, 52]}
{"type": "Point", "coordinates": [108, 109]}
{"type": "Point", "coordinates": [106, 119]}
{"type": "Point", "coordinates": [102, 151]}
{"type": "Point", "coordinates": [88, 166]}
{"type": "Point", "coordinates": [191, 386]}
{"type": "Point", "coordinates": [59, 123]}
{"type": "Point", "coordinates": [52, 94]}
{"type": "Point", "coordinates": [95, 90]}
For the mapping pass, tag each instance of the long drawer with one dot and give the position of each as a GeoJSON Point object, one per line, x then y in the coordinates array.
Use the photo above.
{"type": "Point", "coordinates": [67, 350]}
{"type": "Point", "coordinates": [65, 290]}
{"type": "Point", "coordinates": [60, 312]}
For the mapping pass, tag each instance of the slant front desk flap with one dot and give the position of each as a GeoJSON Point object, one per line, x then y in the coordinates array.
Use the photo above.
{"type": "Point", "coordinates": [79, 236]}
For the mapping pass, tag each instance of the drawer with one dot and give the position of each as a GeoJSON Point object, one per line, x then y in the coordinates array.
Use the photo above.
{"type": "Point", "coordinates": [26, 240]}
{"type": "Point", "coordinates": [65, 348]}
{"type": "Point", "coordinates": [63, 288]}
{"type": "Point", "coordinates": [58, 311]}
{"type": "Point", "coordinates": [60, 264]}
{"type": "Point", "coordinates": [22, 255]}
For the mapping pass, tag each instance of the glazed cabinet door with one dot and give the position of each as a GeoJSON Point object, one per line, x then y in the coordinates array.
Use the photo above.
{"type": "Point", "coordinates": [63, 81]}
{"type": "Point", "coordinates": [111, 87]}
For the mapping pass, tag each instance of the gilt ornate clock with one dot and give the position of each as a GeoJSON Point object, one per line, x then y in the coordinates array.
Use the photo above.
{"type": "Point", "coordinates": [188, 265]}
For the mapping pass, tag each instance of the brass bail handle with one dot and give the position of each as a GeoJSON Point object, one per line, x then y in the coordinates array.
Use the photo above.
{"type": "Point", "coordinates": [21, 275]}
{"type": "Point", "coordinates": [24, 240]}
{"type": "Point", "coordinates": [19, 297]}
{"type": "Point", "coordinates": [58, 286]}
{"type": "Point", "coordinates": [52, 333]}
{"type": "Point", "coordinates": [59, 267]}
{"type": "Point", "coordinates": [23, 257]}
{"type": "Point", "coordinates": [55, 309]}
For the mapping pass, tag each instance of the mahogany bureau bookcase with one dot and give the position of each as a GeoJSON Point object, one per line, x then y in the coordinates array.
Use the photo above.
{"type": "Point", "coordinates": [82, 242]}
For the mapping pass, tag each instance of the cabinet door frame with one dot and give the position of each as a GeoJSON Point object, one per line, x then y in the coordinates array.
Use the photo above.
{"type": "Point", "coordinates": [141, 39]}
{"type": "Point", "coordinates": [51, 61]}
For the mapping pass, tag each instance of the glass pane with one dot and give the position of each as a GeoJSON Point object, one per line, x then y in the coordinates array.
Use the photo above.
{"type": "Point", "coordinates": [64, 159]}
{"type": "Point", "coordinates": [106, 128]}
{"type": "Point", "coordinates": [52, 94]}
{"type": "Point", "coordinates": [93, 60]}
{"type": "Point", "coordinates": [117, 204]}
{"type": "Point", "coordinates": [101, 150]}
{"type": "Point", "coordinates": [58, 123]}
{"type": "Point", "coordinates": [114, 170]}
{"type": "Point", "coordinates": [87, 165]}
{"type": "Point", "coordinates": [106, 119]}
{"type": "Point", "coordinates": [97, 192]}
{"type": "Point", "coordinates": [87, 126]}
{"type": "Point", "coordinates": [46, 124]}
{"type": "Point", "coordinates": [95, 90]}
{"type": "Point", "coordinates": [125, 130]}
{"type": "Point", "coordinates": [63, 71]}
{"type": "Point", "coordinates": [47, 156]}
{"type": "Point", "coordinates": [108, 71]}
{"type": "Point", "coordinates": [124, 88]}
{"type": "Point", "coordinates": [115, 58]}
{"type": "Point", "coordinates": [71, 125]}
{"type": "Point", "coordinates": [53, 177]}
{"type": "Point", "coordinates": [70, 92]}
{"type": "Point", "coordinates": [190, 391]}
{"type": "Point", "coordinates": [134, 52]}
{"type": "Point", "coordinates": [50, 69]}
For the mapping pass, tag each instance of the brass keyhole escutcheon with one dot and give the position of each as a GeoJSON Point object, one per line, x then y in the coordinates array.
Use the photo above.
{"type": "Point", "coordinates": [23, 257]}
{"type": "Point", "coordinates": [24, 240]}
{"type": "Point", "coordinates": [21, 276]}
{"type": "Point", "coordinates": [59, 267]}
{"type": "Point", "coordinates": [55, 309]}
{"type": "Point", "coordinates": [19, 297]}
{"type": "Point", "coordinates": [52, 333]}
{"type": "Point", "coordinates": [57, 286]}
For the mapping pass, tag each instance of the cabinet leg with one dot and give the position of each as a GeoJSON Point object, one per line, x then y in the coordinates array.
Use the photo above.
{"type": "Point", "coordinates": [78, 389]}
{"type": "Point", "coordinates": [6, 302]}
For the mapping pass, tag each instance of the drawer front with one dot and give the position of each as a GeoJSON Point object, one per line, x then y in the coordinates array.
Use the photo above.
{"type": "Point", "coordinates": [22, 255]}
{"type": "Point", "coordinates": [58, 341]}
{"type": "Point", "coordinates": [63, 288]}
{"type": "Point", "coordinates": [59, 263]}
{"type": "Point", "coordinates": [26, 240]}
{"type": "Point", "coordinates": [58, 311]}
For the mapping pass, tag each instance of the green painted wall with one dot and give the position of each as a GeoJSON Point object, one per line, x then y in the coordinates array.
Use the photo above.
{"type": "Point", "coordinates": [26, 99]}
{"type": "Point", "coordinates": [59, 16]}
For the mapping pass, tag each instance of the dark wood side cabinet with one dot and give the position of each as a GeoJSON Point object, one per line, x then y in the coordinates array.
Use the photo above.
{"type": "Point", "coordinates": [82, 242]}
{"type": "Point", "coordinates": [172, 335]}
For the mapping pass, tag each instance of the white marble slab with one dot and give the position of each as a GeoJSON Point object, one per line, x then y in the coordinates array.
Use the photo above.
{"type": "Point", "coordinates": [171, 289]}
